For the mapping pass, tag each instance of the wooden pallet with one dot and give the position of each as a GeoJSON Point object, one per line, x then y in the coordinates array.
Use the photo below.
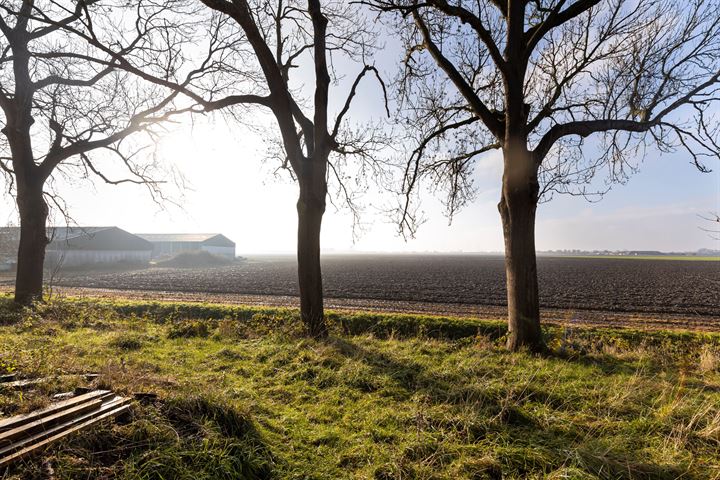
{"type": "Point", "coordinates": [23, 435]}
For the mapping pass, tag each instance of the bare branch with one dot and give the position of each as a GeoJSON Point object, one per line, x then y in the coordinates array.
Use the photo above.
{"type": "Point", "coordinates": [556, 18]}
{"type": "Point", "coordinates": [482, 111]}
{"type": "Point", "coordinates": [351, 95]}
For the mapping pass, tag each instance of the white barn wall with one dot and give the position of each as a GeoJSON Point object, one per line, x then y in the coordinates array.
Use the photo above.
{"type": "Point", "coordinates": [71, 258]}
{"type": "Point", "coordinates": [171, 244]}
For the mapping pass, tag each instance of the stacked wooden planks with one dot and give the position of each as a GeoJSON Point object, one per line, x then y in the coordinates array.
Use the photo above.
{"type": "Point", "coordinates": [22, 435]}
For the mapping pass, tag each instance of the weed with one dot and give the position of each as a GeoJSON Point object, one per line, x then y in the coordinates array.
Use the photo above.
{"type": "Point", "coordinates": [125, 341]}
{"type": "Point", "coordinates": [709, 360]}
{"type": "Point", "coordinates": [189, 329]}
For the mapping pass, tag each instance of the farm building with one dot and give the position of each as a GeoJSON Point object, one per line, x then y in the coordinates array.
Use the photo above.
{"type": "Point", "coordinates": [95, 245]}
{"type": "Point", "coordinates": [166, 244]}
{"type": "Point", "coordinates": [72, 246]}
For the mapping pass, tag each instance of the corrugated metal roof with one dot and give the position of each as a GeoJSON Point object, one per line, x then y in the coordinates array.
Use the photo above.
{"type": "Point", "coordinates": [57, 233]}
{"type": "Point", "coordinates": [67, 233]}
{"type": "Point", "coordinates": [177, 237]}
{"type": "Point", "coordinates": [81, 238]}
{"type": "Point", "coordinates": [95, 238]}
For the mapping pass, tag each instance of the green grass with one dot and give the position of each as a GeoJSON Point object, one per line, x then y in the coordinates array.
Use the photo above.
{"type": "Point", "coordinates": [243, 395]}
{"type": "Point", "coordinates": [650, 257]}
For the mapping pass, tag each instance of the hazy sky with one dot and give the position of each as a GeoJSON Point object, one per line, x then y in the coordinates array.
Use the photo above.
{"type": "Point", "coordinates": [234, 192]}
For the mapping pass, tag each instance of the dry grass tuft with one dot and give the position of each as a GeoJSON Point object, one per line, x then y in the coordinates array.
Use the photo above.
{"type": "Point", "coordinates": [709, 360]}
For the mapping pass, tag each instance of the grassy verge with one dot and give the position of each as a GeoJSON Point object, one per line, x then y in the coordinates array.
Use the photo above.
{"type": "Point", "coordinates": [243, 395]}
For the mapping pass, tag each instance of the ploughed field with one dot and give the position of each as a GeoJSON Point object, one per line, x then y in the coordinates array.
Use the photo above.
{"type": "Point", "coordinates": [690, 288]}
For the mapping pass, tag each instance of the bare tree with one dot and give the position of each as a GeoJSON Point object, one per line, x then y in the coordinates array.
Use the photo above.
{"type": "Point", "coordinates": [64, 102]}
{"type": "Point", "coordinates": [283, 36]}
{"type": "Point", "coordinates": [534, 79]}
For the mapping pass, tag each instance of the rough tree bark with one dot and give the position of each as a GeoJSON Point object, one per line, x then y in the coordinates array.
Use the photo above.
{"type": "Point", "coordinates": [33, 239]}
{"type": "Point", "coordinates": [517, 206]}
{"type": "Point", "coordinates": [310, 208]}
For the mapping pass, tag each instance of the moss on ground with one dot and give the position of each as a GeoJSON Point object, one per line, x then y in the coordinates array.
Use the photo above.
{"type": "Point", "coordinates": [243, 395]}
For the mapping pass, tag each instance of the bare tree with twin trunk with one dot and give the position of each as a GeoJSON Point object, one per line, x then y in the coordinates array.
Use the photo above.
{"type": "Point", "coordinates": [67, 110]}
{"type": "Point", "coordinates": [286, 35]}
{"type": "Point", "coordinates": [564, 90]}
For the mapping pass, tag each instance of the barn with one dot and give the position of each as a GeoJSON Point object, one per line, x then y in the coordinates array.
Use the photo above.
{"type": "Point", "coordinates": [73, 246]}
{"type": "Point", "coordinates": [168, 244]}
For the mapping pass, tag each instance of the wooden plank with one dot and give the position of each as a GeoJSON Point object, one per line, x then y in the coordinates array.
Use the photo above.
{"type": "Point", "coordinates": [16, 421]}
{"type": "Point", "coordinates": [6, 381]}
{"type": "Point", "coordinates": [63, 396]}
{"type": "Point", "coordinates": [45, 422]}
{"type": "Point", "coordinates": [64, 428]}
{"type": "Point", "coordinates": [23, 384]}
{"type": "Point", "coordinates": [13, 422]}
{"type": "Point", "coordinates": [4, 461]}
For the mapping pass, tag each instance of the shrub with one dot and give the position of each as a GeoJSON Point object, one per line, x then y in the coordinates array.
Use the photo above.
{"type": "Point", "coordinates": [189, 329]}
{"type": "Point", "coordinates": [127, 342]}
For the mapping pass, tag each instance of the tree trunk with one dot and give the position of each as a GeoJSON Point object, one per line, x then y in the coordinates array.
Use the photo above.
{"type": "Point", "coordinates": [517, 206]}
{"type": "Point", "coordinates": [33, 240]}
{"type": "Point", "coordinates": [311, 207]}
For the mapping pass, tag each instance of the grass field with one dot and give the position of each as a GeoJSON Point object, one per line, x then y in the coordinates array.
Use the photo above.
{"type": "Point", "coordinates": [243, 395]}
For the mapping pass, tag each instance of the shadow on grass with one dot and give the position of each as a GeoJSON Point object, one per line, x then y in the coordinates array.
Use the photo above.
{"type": "Point", "coordinates": [607, 364]}
{"type": "Point", "coordinates": [529, 447]}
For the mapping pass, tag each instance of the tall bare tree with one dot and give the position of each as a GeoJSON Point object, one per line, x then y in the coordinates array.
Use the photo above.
{"type": "Point", "coordinates": [289, 35]}
{"type": "Point", "coordinates": [533, 79]}
{"type": "Point", "coordinates": [62, 99]}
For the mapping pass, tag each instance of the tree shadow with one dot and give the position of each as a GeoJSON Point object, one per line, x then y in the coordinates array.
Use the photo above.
{"type": "Point", "coordinates": [606, 363]}
{"type": "Point", "coordinates": [507, 415]}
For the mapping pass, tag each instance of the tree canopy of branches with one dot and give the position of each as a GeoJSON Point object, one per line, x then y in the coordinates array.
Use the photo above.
{"type": "Point", "coordinates": [64, 101]}
{"type": "Point", "coordinates": [278, 38]}
{"type": "Point", "coordinates": [563, 89]}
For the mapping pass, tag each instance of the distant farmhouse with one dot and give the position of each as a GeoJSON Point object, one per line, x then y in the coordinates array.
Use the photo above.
{"type": "Point", "coordinates": [168, 244]}
{"type": "Point", "coordinates": [72, 246]}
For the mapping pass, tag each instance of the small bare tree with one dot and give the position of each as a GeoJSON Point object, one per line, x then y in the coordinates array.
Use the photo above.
{"type": "Point", "coordinates": [64, 101]}
{"type": "Point", "coordinates": [534, 79]}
